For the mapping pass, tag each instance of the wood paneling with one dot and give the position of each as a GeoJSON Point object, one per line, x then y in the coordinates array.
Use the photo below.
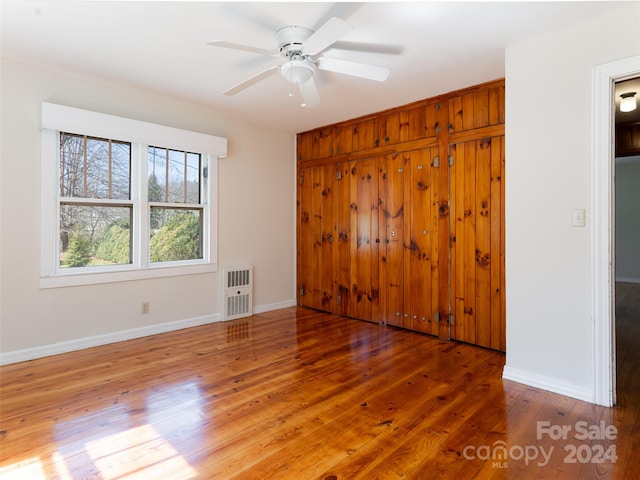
{"type": "Point", "coordinates": [343, 243]}
{"type": "Point", "coordinates": [316, 236]}
{"type": "Point", "coordinates": [394, 258]}
{"type": "Point", "coordinates": [476, 108]}
{"type": "Point", "coordinates": [477, 242]}
{"type": "Point", "coordinates": [392, 221]}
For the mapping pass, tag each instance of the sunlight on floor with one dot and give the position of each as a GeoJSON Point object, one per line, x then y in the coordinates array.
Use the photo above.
{"type": "Point", "coordinates": [30, 468]}
{"type": "Point", "coordinates": [138, 453]}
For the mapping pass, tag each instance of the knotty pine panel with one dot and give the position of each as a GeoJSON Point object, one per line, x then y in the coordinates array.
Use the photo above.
{"type": "Point", "coordinates": [477, 242]}
{"type": "Point", "coordinates": [476, 108]}
{"type": "Point", "coordinates": [344, 196]}
{"type": "Point", "coordinates": [392, 229]}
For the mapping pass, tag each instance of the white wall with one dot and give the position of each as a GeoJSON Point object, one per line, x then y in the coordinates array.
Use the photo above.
{"type": "Point", "coordinates": [627, 186]}
{"type": "Point", "coordinates": [548, 262]}
{"type": "Point", "coordinates": [256, 220]}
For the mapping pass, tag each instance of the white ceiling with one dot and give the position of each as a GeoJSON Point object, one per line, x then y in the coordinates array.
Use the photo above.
{"type": "Point", "coordinates": [431, 48]}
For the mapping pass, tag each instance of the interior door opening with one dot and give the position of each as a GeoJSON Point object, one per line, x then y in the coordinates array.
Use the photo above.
{"type": "Point", "coordinates": [626, 214]}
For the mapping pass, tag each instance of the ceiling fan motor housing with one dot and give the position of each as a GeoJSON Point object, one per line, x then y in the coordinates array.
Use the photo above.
{"type": "Point", "coordinates": [291, 39]}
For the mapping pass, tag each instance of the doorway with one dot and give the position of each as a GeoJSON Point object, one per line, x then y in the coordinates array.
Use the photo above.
{"type": "Point", "coordinates": [603, 225]}
{"type": "Point", "coordinates": [626, 234]}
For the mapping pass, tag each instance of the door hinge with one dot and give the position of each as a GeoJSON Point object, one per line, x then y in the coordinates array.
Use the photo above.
{"type": "Point", "coordinates": [436, 317]}
{"type": "Point", "coordinates": [338, 299]}
{"type": "Point", "coordinates": [436, 162]}
{"type": "Point", "coordinates": [452, 319]}
{"type": "Point", "coordinates": [339, 175]}
{"type": "Point", "coordinates": [301, 179]}
{"type": "Point", "coordinates": [451, 160]}
{"type": "Point", "coordinates": [301, 292]}
{"type": "Point", "coordinates": [205, 172]}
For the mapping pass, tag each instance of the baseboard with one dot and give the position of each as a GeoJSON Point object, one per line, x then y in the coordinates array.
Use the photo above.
{"type": "Point", "coordinates": [627, 280]}
{"type": "Point", "coordinates": [122, 335]}
{"type": "Point", "coordinates": [274, 306]}
{"type": "Point", "coordinates": [547, 383]}
{"type": "Point", "coordinates": [98, 340]}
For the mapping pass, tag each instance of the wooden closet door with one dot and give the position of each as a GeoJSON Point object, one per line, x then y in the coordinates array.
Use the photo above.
{"type": "Point", "coordinates": [344, 238]}
{"type": "Point", "coordinates": [421, 259]}
{"type": "Point", "coordinates": [477, 242]}
{"type": "Point", "coordinates": [316, 237]}
{"type": "Point", "coordinates": [364, 225]}
{"type": "Point", "coordinates": [391, 218]}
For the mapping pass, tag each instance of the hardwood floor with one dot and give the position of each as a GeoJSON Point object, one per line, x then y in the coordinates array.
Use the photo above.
{"type": "Point", "coordinates": [298, 394]}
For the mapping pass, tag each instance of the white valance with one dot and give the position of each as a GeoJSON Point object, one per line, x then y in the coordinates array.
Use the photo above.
{"type": "Point", "coordinates": [75, 120]}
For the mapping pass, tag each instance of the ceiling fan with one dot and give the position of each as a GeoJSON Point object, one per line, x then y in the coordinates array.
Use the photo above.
{"type": "Point", "coordinates": [299, 46]}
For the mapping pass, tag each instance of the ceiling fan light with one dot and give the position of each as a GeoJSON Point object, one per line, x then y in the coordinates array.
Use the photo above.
{"type": "Point", "coordinates": [628, 102]}
{"type": "Point", "coordinates": [297, 71]}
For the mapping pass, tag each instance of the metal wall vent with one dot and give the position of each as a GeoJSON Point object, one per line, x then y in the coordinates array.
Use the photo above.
{"type": "Point", "coordinates": [238, 292]}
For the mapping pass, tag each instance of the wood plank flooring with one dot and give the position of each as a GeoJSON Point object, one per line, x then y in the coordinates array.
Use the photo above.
{"type": "Point", "coordinates": [299, 394]}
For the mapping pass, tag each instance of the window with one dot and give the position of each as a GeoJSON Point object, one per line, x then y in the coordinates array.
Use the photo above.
{"type": "Point", "coordinates": [124, 200]}
{"type": "Point", "coordinates": [95, 204]}
{"type": "Point", "coordinates": [175, 211]}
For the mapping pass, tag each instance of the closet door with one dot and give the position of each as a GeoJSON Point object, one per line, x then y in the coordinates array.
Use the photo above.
{"type": "Point", "coordinates": [343, 238]}
{"type": "Point", "coordinates": [364, 227]}
{"type": "Point", "coordinates": [421, 259]}
{"type": "Point", "coordinates": [391, 220]}
{"type": "Point", "coordinates": [316, 237]}
{"type": "Point", "coordinates": [409, 218]}
{"type": "Point", "coordinates": [477, 242]}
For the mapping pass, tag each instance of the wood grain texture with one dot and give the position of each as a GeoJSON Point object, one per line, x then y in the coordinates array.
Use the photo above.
{"type": "Point", "coordinates": [477, 242]}
{"type": "Point", "coordinates": [298, 394]}
{"type": "Point", "coordinates": [438, 228]}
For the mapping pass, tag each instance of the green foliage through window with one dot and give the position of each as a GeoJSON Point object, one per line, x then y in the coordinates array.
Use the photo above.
{"type": "Point", "coordinates": [179, 237]}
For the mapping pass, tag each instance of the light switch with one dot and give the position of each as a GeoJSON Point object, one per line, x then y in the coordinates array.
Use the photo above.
{"type": "Point", "coordinates": [577, 219]}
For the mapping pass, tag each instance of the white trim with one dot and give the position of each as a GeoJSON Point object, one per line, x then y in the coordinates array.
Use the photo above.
{"type": "Point", "coordinates": [123, 335]}
{"type": "Point", "coordinates": [125, 275]}
{"type": "Point", "coordinates": [84, 122]}
{"type": "Point", "coordinates": [547, 383]}
{"type": "Point", "coordinates": [56, 118]}
{"type": "Point", "coordinates": [275, 306]}
{"type": "Point", "coordinates": [99, 340]}
{"type": "Point", "coordinates": [602, 208]}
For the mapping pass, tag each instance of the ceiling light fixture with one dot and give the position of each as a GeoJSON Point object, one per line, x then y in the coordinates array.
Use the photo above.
{"type": "Point", "coordinates": [628, 102]}
{"type": "Point", "coordinates": [297, 71]}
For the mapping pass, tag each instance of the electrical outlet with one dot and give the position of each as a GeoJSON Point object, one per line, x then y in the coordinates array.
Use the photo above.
{"type": "Point", "coordinates": [144, 308]}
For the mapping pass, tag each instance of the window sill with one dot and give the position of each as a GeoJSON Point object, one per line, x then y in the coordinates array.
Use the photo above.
{"type": "Point", "coordinates": [96, 278]}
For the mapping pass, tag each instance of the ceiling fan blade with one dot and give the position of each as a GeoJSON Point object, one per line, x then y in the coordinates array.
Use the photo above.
{"type": "Point", "coordinates": [371, 72]}
{"type": "Point", "coordinates": [369, 47]}
{"type": "Point", "coordinates": [333, 30]}
{"type": "Point", "coordinates": [309, 92]}
{"type": "Point", "coordinates": [245, 48]}
{"type": "Point", "coordinates": [252, 80]}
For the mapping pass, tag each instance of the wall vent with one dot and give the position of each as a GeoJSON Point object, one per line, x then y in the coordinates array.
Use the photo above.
{"type": "Point", "coordinates": [238, 292]}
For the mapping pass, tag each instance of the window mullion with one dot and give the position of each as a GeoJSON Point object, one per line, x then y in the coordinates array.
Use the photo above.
{"type": "Point", "coordinates": [141, 243]}
{"type": "Point", "coordinates": [166, 175]}
{"type": "Point", "coordinates": [84, 167]}
{"type": "Point", "coordinates": [110, 174]}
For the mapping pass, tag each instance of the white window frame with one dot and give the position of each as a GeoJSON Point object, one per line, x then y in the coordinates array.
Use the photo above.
{"type": "Point", "coordinates": [59, 118]}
